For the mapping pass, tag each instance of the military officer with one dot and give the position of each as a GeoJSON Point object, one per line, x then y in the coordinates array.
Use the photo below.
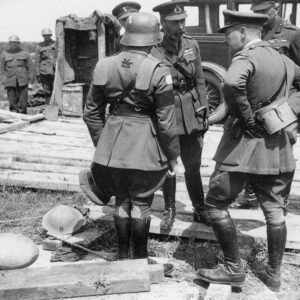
{"type": "Point", "coordinates": [277, 31]}
{"type": "Point", "coordinates": [122, 11]}
{"type": "Point", "coordinates": [16, 71]}
{"type": "Point", "coordinates": [182, 55]}
{"type": "Point", "coordinates": [280, 34]}
{"type": "Point", "coordinates": [45, 58]}
{"type": "Point", "coordinates": [138, 142]}
{"type": "Point", "coordinates": [247, 152]}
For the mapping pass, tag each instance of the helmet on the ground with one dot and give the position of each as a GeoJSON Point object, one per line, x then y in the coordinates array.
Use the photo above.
{"type": "Point", "coordinates": [63, 219]}
{"type": "Point", "coordinates": [14, 38]}
{"type": "Point", "coordinates": [16, 251]}
{"type": "Point", "coordinates": [141, 29]}
{"type": "Point", "coordinates": [46, 31]}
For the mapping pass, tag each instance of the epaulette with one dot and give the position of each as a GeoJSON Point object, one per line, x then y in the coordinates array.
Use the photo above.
{"type": "Point", "coordinates": [156, 60]}
{"type": "Point", "coordinates": [188, 37]}
{"type": "Point", "coordinates": [239, 56]}
{"type": "Point", "coordinates": [288, 25]}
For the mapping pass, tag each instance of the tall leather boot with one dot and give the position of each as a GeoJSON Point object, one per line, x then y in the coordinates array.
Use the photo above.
{"type": "Point", "coordinates": [270, 273]}
{"type": "Point", "coordinates": [233, 271]}
{"type": "Point", "coordinates": [139, 235]}
{"type": "Point", "coordinates": [122, 226]}
{"type": "Point", "coordinates": [169, 190]}
{"type": "Point", "coordinates": [195, 189]}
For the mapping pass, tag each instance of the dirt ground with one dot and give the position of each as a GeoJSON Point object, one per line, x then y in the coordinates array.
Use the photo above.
{"type": "Point", "coordinates": [21, 211]}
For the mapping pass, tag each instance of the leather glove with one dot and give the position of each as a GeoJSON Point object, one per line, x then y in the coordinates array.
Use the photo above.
{"type": "Point", "coordinates": [254, 129]}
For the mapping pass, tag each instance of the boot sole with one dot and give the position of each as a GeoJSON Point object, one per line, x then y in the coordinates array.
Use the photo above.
{"type": "Point", "coordinates": [234, 284]}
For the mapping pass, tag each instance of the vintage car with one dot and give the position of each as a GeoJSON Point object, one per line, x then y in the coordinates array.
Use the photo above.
{"type": "Point", "coordinates": [205, 18]}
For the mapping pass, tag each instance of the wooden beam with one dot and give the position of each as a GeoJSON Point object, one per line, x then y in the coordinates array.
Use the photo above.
{"type": "Point", "coordinates": [74, 280]}
{"type": "Point", "coordinates": [29, 118]}
{"type": "Point", "coordinates": [218, 292]}
{"type": "Point", "coordinates": [13, 126]}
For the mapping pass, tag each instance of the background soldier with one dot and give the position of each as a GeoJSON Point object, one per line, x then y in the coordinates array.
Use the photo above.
{"type": "Point", "coordinates": [182, 55]}
{"type": "Point", "coordinates": [122, 11]}
{"type": "Point", "coordinates": [139, 140]}
{"type": "Point", "coordinates": [16, 71]}
{"type": "Point", "coordinates": [247, 152]}
{"type": "Point", "coordinates": [45, 58]}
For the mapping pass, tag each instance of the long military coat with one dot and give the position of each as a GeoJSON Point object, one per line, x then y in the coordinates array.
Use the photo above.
{"type": "Point", "coordinates": [187, 54]}
{"type": "Point", "coordinates": [16, 67]}
{"type": "Point", "coordinates": [134, 141]}
{"type": "Point", "coordinates": [251, 80]}
{"type": "Point", "coordinates": [45, 58]}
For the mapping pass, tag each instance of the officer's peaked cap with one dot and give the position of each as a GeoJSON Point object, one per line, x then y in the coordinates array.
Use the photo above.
{"type": "Point", "coordinates": [172, 10]}
{"type": "Point", "coordinates": [124, 9]}
{"type": "Point", "coordinates": [261, 4]}
{"type": "Point", "coordinates": [232, 17]}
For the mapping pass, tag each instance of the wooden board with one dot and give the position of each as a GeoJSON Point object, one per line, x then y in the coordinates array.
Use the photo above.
{"type": "Point", "coordinates": [29, 118]}
{"type": "Point", "coordinates": [4, 127]}
{"type": "Point", "coordinates": [74, 280]}
{"type": "Point", "coordinates": [218, 292]}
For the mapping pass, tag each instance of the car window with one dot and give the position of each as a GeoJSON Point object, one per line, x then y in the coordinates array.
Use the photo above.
{"type": "Point", "coordinates": [193, 15]}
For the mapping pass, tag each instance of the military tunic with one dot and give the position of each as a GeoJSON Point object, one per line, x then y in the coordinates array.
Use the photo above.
{"type": "Point", "coordinates": [193, 95]}
{"type": "Point", "coordinates": [45, 58]}
{"type": "Point", "coordinates": [135, 143]}
{"type": "Point", "coordinates": [280, 36]}
{"type": "Point", "coordinates": [267, 162]}
{"type": "Point", "coordinates": [271, 154]}
{"type": "Point", "coordinates": [16, 67]}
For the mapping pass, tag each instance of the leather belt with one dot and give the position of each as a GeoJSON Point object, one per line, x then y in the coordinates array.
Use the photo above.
{"type": "Point", "coordinates": [129, 111]}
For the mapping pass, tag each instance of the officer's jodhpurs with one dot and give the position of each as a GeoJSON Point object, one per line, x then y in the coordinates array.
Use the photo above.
{"type": "Point", "coordinates": [272, 192]}
{"type": "Point", "coordinates": [18, 98]}
{"type": "Point", "coordinates": [134, 191]}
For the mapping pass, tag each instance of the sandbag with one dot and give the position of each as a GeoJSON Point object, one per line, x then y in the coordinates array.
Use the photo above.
{"type": "Point", "coordinates": [16, 251]}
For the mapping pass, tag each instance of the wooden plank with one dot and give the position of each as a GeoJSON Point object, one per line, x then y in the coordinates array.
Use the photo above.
{"type": "Point", "coordinates": [56, 151]}
{"type": "Point", "coordinates": [165, 291]}
{"type": "Point", "coordinates": [29, 118]}
{"type": "Point", "coordinates": [24, 157]}
{"type": "Point", "coordinates": [291, 258]}
{"type": "Point", "coordinates": [218, 292]}
{"type": "Point", "coordinates": [13, 126]}
{"type": "Point", "coordinates": [74, 280]}
{"type": "Point", "coordinates": [49, 181]}
{"type": "Point", "coordinates": [48, 139]}
{"type": "Point", "coordinates": [37, 167]}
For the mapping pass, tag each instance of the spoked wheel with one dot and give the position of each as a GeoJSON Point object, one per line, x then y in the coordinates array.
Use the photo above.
{"type": "Point", "coordinates": [216, 105]}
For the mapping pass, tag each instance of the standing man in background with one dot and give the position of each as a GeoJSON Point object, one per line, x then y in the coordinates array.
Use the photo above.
{"type": "Point", "coordinates": [182, 55]}
{"type": "Point", "coordinates": [45, 59]}
{"type": "Point", "coordinates": [122, 11]}
{"type": "Point", "coordinates": [16, 71]}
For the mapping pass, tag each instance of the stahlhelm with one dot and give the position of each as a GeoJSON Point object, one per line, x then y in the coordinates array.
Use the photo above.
{"type": "Point", "coordinates": [14, 38]}
{"type": "Point", "coordinates": [46, 31]}
{"type": "Point", "coordinates": [141, 29]}
{"type": "Point", "coordinates": [63, 219]}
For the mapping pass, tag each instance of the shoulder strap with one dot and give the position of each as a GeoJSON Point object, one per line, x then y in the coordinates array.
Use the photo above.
{"type": "Point", "coordinates": [145, 72]}
{"type": "Point", "coordinates": [284, 79]}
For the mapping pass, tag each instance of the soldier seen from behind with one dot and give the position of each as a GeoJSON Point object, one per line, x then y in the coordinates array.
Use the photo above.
{"type": "Point", "coordinates": [45, 59]}
{"type": "Point", "coordinates": [138, 142]}
{"type": "Point", "coordinates": [182, 56]}
{"type": "Point", "coordinates": [256, 89]}
{"type": "Point", "coordinates": [16, 72]}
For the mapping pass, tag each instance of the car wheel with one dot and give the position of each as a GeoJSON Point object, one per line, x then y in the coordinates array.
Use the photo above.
{"type": "Point", "coordinates": [216, 105]}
